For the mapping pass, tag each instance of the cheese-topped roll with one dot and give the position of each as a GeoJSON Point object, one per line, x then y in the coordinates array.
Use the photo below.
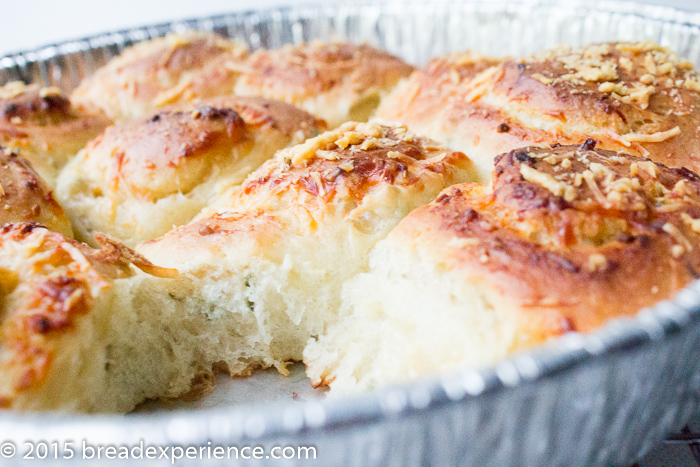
{"type": "Point", "coordinates": [24, 197]}
{"type": "Point", "coordinates": [45, 127]}
{"type": "Point", "coordinates": [140, 178]}
{"type": "Point", "coordinates": [635, 97]}
{"type": "Point", "coordinates": [154, 73]}
{"type": "Point", "coordinates": [74, 336]}
{"type": "Point", "coordinates": [565, 239]}
{"type": "Point", "coordinates": [273, 255]}
{"type": "Point", "coordinates": [338, 82]}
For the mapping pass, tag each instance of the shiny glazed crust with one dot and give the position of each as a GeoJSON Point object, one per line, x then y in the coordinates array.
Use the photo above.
{"type": "Point", "coordinates": [45, 127]}
{"type": "Point", "coordinates": [26, 198]}
{"type": "Point", "coordinates": [175, 150]}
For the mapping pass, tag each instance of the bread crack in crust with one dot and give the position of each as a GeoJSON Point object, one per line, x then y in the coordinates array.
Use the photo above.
{"type": "Point", "coordinates": [45, 127]}
{"type": "Point", "coordinates": [635, 97]}
{"type": "Point", "coordinates": [24, 197]}
{"type": "Point", "coordinates": [140, 178]}
{"type": "Point", "coordinates": [163, 71]}
{"type": "Point", "coordinates": [272, 256]}
{"type": "Point", "coordinates": [564, 239]}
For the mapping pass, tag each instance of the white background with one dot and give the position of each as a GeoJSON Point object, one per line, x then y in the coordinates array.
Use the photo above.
{"type": "Point", "coordinates": [27, 24]}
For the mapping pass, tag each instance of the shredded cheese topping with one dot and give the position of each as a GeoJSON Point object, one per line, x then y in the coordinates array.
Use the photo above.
{"type": "Point", "coordinates": [548, 182]}
{"type": "Point", "coordinates": [597, 262]}
{"type": "Point", "coordinates": [652, 138]}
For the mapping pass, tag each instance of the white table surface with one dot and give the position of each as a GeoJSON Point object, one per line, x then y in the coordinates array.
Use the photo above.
{"type": "Point", "coordinates": [31, 23]}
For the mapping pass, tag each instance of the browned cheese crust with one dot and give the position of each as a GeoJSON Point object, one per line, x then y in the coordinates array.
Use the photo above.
{"type": "Point", "coordinates": [175, 68]}
{"type": "Point", "coordinates": [44, 126]}
{"type": "Point", "coordinates": [332, 173]}
{"type": "Point", "coordinates": [354, 160]}
{"type": "Point", "coordinates": [634, 97]}
{"type": "Point", "coordinates": [24, 197]}
{"type": "Point", "coordinates": [569, 235]}
{"type": "Point", "coordinates": [47, 283]}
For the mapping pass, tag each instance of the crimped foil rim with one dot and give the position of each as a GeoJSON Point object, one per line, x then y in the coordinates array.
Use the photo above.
{"type": "Point", "coordinates": [652, 326]}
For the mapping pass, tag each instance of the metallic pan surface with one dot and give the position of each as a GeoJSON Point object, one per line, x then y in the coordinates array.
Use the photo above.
{"type": "Point", "coordinates": [602, 398]}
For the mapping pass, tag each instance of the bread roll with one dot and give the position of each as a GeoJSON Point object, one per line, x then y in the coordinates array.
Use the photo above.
{"type": "Point", "coordinates": [97, 331]}
{"type": "Point", "coordinates": [335, 81]}
{"type": "Point", "coordinates": [72, 338]}
{"type": "Point", "coordinates": [338, 82]}
{"type": "Point", "coordinates": [24, 197]}
{"type": "Point", "coordinates": [44, 127]}
{"type": "Point", "coordinates": [162, 71]}
{"type": "Point", "coordinates": [272, 256]}
{"type": "Point", "coordinates": [565, 239]}
{"type": "Point", "coordinates": [140, 178]}
{"type": "Point", "coordinates": [634, 97]}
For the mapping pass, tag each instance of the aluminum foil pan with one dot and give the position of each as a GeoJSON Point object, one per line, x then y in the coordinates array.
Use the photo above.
{"type": "Point", "coordinates": [602, 398]}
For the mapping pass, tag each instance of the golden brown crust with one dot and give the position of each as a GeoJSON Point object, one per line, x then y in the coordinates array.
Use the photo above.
{"type": "Point", "coordinates": [635, 97]}
{"type": "Point", "coordinates": [337, 81]}
{"type": "Point", "coordinates": [624, 90]}
{"type": "Point", "coordinates": [176, 150]}
{"type": "Point", "coordinates": [354, 159]}
{"type": "Point", "coordinates": [334, 172]}
{"type": "Point", "coordinates": [259, 112]}
{"type": "Point", "coordinates": [346, 72]}
{"type": "Point", "coordinates": [32, 104]}
{"type": "Point", "coordinates": [294, 73]}
{"type": "Point", "coordinates": [166, 153]}
{"type": "Point", "coordinates": [175, 68]}
{"type": "Point", "coordinates": [217, 78]}
{"type": "Point", "coordinates": [44, 126]}
{"type": "Point", "coordinates": [142, 177]}
{"type": "Point", "coordinates": [437, 82]}
{"type": "Point", "coordinates": [24, 197]}
{"type": "Point", "coordinates": [47, 283]}
{"type": "Point", "coordinates": [573, 236]}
